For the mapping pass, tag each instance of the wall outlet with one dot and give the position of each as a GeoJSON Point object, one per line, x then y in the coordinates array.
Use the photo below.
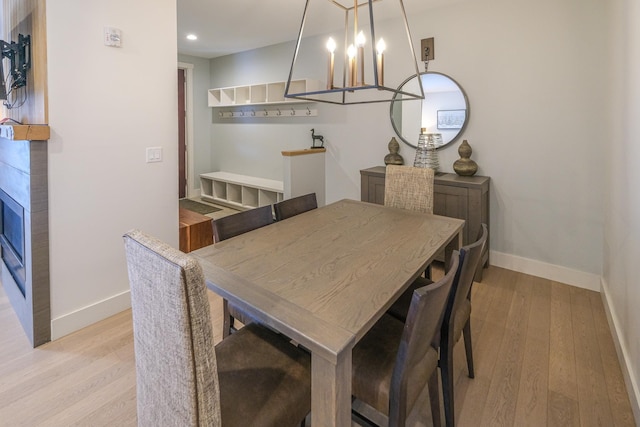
{"type": "Point", "coordinates": [426, 49]}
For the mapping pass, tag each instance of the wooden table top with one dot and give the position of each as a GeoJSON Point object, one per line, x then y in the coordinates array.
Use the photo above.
{"type": "Point", "coordinates": [325, 276]}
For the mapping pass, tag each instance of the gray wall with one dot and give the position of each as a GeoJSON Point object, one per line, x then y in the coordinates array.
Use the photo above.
{"type": "Point", "coordinates": [536, 127]}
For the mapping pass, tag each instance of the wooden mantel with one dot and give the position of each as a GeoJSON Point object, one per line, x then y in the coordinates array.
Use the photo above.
{"type": "Point", "coordinates": [25, 132]}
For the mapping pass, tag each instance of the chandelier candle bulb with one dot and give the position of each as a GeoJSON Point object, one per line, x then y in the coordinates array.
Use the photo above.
{"type": "Point", "coordinates": [351, 53]}
{"type": "Point", "coordinates": [360, 42]}
{"type": "Point", "coordinates": [331, 47]}
{"type": "Point", "coordinates": [381, 46]}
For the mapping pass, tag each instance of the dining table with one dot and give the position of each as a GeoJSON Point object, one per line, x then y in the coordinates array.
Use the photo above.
{"type": "Point", "coordinates": [324, 277]}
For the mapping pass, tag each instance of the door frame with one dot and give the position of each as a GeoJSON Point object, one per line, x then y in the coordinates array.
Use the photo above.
{"type": "Point", "coordinates": [188, 93]}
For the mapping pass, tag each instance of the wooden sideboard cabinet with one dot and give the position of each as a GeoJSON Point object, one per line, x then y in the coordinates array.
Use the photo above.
{"type": "Point", "coordinates": [464, 197]}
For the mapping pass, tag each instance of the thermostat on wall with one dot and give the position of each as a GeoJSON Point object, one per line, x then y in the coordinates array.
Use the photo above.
{"type": "Point", "coordinates": [112, 37]}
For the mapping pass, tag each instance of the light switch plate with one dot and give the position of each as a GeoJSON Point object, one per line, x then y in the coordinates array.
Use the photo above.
{"type": "Point", "coordinates": [154, 154]}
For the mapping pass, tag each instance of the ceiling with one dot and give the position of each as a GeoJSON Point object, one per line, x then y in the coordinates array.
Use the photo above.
{"type": "Point", "coordinates": [224, 27]}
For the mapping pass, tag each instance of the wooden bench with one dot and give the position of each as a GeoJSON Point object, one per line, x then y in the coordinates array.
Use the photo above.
{"type": "Point", "coordinates": [196, 230]}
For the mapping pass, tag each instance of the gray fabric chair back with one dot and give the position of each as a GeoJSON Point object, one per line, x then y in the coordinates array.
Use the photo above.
{"type": "Point", "coordinates": [410, 374]}
{"type": "Point", "coordinates": [407, 187]}
{"type": "Point", "coordinates": [176, 371]}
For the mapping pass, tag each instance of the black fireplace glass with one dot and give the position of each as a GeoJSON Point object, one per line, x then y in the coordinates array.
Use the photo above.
{"type": "Point", "coordinates": [12, 238]}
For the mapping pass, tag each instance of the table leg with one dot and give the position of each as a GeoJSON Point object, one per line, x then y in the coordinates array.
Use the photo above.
{"type": "Point", "coordinates": [331, 391]}
{"type": "Point", "coordinates": [454, 244]}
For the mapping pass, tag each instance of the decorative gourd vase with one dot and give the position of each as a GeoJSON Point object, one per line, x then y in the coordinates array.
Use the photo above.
{"type": "Point", "coordinates": [464, 166]}
{"type": "Point", "coordinates": [393, 158]}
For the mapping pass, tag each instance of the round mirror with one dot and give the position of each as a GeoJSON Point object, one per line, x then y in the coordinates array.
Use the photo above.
{"type": "Point", "coordinates": [444, 109]}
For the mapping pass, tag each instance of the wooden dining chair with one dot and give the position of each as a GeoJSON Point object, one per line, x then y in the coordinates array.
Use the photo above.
{"type": "Point", "coordinates": [230, 226]}
{"type": "Point", "coordinates": [233, 225]}
{"type": "Point", "coordinates": [407, 187]}
{"type": "Point", "coordinates": [253, 378]}
{"type": "Point", "coordinates": [457, 317]}
{"type": "Point", "coordinates": [395, 361]}
{"type": "Point", "coordinates": [294, 206]}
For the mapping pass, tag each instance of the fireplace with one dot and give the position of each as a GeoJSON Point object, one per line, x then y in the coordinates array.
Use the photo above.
{"type": "Point", "coordinates": [24, 232]}
{"type": "Point", "coordinates": [12, 238]}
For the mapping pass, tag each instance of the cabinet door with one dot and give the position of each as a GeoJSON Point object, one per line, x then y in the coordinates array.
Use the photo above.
{"type": "Point", "coordinates": [452, 202]}
{"type": "Point", "coordinates": [372, 189]}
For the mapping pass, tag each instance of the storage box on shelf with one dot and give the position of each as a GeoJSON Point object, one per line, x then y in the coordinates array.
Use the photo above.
{"type": "Point", "coordinates": [258, 94]}
{"type": "Point", "coordinates": [240, 191]}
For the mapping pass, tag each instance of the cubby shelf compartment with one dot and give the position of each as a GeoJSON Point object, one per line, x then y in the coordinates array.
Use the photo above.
{"type": "Point", "coordinates": [240, 191]}
{"type": "Point", "coordinates": [259, 94]}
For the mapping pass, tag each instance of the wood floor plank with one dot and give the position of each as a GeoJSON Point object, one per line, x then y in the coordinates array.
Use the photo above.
{"type": "Point", "coordinates": [563, 389]}
{"type": "Point", "coordinates": [593, 400]}
{"type": "Point", "coordinates": [47, 370]}
{"type": "Point", "coordinates": [531, 406]}
{"type": "Point", "coordinates": [505, 382]}
{"type": "Point", "coordinates": [86, 406]}
{"type": "Point", "coordinates": [616, 390]}
{"type": "Point", "coordinates": [487, 345]}
{"type": "Point", "coordinates": [118, 411]}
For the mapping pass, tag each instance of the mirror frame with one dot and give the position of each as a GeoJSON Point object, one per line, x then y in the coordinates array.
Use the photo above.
{"type": "Point", "coordinates": [466, 101]}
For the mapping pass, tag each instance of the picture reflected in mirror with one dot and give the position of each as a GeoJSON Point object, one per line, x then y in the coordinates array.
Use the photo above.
{"type": "Point", "coordinates": [444, 110]}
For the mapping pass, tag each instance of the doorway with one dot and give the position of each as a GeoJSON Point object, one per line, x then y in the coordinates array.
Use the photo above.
{"type": "Point", "coordinates": [182, 142]}
{"type": "Point", "coordinates": [185, 130]}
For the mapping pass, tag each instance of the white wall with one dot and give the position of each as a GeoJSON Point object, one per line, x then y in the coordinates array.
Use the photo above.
{"type": "Point", "coordinates": [621, 292]}
{"type": "Point", "coordinates": [106, 105]}
{"type": "Point", "coordinates": [535, 89]}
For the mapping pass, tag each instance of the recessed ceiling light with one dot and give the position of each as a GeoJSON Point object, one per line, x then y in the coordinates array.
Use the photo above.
{"type": "Point", "coordinates": [192, 37]}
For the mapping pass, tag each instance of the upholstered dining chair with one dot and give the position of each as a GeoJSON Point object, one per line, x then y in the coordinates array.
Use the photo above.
{"type": "Point", "coordinates": [230, 226]}
{"type": "Point", "coordinates": [253, 378]}
{"type": "Point", "coordinates": [457, 317]}
{"type": "Point", "coordinates": [395, 361]}
{"type": "Point", "coordinates": [410, 188]}
{"type": "Point", "coordinates": [294, 206]}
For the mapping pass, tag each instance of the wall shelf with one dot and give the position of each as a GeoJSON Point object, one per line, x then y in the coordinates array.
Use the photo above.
{"type": "Point", "coordinates": [240, 191]}
{"type": "Point", "coordinates": [259, 94]}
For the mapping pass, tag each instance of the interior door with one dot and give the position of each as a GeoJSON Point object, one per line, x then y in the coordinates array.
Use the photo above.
{"type": "Point", "coordinates": [182, 145]}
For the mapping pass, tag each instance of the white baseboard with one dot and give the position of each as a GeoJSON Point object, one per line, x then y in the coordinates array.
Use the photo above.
{"type": "Point", "coordinates": [630, 380]}
{"type": "Point", "coordinates": [194, 193]}
{"type": "Point", "coordinates": [90, 314]}
{"type": "Point", "coordinates": [557, 273]}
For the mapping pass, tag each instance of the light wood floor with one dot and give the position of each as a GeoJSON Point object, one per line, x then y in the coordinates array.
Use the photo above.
{"type": "Point", "coordinates": [543, 356]}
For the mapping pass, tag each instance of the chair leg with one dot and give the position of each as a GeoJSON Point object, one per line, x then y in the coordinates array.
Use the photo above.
{"type": "Point", "coordinates": [434, 398]}
{"type": "Point", "coordinates": [466, 332]}
{"type": "Point", "coordinates": [427, 272]}
{"type": "Point", "coordinates": [446, 371]}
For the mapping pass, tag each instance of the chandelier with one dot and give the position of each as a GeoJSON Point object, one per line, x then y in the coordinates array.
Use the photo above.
{"type": "Point", "coordinates": [343, 38]}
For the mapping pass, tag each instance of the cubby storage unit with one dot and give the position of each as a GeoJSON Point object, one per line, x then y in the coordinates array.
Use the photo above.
{"type": "Point", "coordinates": [258, 94]}
{"type": "Point", "coordinates": [240, 191]}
